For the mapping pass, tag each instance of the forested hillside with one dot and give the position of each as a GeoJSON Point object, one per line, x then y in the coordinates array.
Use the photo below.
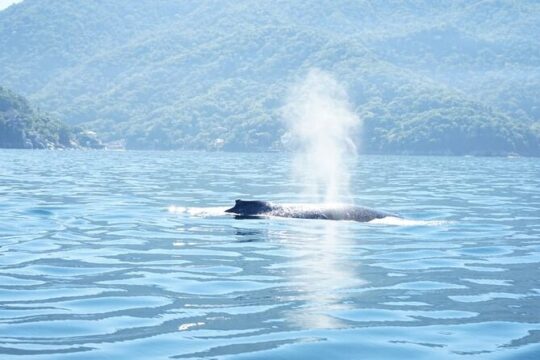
{"type": "Point", "coordinates": [22, 127]}
{"type": "Point", "coordinates": [426, 77]}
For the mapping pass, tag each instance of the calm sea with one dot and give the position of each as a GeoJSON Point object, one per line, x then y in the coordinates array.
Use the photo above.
{"type": "Point", "coordinates": [127, 255]}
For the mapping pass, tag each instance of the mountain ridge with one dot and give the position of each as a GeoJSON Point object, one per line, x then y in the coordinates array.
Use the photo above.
{"type": "Point", "coordinates": [214, 75]}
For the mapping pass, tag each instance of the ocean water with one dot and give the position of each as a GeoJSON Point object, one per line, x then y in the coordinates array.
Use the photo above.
{"type": "Point", "coordinates": [127, 255]}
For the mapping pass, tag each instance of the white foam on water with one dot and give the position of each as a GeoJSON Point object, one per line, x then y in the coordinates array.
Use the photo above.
{"type": "Point", "coordinates": [396, 221]}
{"type": "Point", "coordinates": [199, 211]}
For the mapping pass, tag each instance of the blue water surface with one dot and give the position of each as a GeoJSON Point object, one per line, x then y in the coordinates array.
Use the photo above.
{"type": "Point", "coordinates": [127, 255]}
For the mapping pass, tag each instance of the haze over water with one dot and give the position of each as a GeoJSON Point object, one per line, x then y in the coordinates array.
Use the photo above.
{"type": "Point", "coordinates": [92, 265]}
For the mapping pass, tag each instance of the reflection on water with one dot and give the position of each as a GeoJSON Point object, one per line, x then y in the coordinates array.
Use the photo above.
{"type": "Point", "coordinates": [94, 265]}
{"type": "Point", "coordinates": [322, 271]}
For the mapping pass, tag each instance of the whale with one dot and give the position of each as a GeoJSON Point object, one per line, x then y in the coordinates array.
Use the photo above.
{"type": "Point", "coordinates": [245, 209]}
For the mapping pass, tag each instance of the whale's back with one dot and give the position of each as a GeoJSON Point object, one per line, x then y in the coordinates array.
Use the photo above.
{"type": "Point", "coordinates": [336, 212]}
{"type": "Point", "coordinates": [249, 208]}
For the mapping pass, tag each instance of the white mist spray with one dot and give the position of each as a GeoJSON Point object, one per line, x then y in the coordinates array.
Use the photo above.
{"type": "Point", "coordinates": [321, 126]}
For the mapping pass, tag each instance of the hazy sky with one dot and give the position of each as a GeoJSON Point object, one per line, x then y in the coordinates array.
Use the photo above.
{"type": "Point", "coordinates": [5, 3]}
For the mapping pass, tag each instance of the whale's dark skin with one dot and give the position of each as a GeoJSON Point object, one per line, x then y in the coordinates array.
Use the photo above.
{"type": "Point", "coordinates": [254, 208]}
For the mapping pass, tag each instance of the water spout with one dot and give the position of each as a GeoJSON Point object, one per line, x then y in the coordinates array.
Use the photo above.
{"type": "Point", "coordinates": [321, 126]}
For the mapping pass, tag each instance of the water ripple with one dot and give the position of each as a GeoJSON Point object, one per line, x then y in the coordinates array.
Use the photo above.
{"type": "Point", "coordinates": [103, 257]}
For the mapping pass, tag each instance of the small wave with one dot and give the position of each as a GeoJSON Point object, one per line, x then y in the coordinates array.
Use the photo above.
{"type": "Point", "coordinates": [186, 326]}
{"type": "Point", "coordinates": [392, 220]}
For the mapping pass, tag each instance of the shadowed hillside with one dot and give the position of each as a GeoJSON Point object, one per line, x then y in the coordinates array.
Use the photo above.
{"type": "Point", "coordinates": [22, 127]}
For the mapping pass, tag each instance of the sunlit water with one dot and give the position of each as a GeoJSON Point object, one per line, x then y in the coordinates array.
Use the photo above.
{"type": "Point", "coordinates": [94, 264]}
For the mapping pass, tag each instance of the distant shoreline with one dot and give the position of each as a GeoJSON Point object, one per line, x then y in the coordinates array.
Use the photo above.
{"type": "Point", "coordinates": [509, 155]}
